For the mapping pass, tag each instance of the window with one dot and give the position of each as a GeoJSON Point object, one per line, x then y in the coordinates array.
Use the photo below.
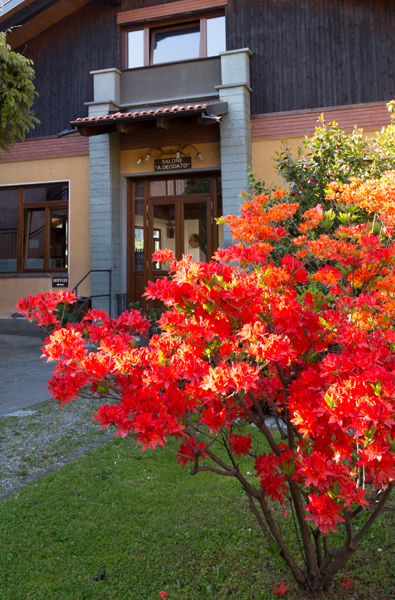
{"type": "Point", "coordinates": [34, 228]}
{"type": "Point", "coordinates": [153, 45]}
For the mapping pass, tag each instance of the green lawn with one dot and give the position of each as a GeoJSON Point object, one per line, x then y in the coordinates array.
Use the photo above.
{"type": "Point", "coordinates": [153, 527]}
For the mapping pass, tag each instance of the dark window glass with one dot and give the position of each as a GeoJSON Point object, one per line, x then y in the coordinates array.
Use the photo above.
{"type": "Point", "coordinates": [8, 230]}
{"type": "Point", "coordinates": [176, 44]}
{"type": "Point", "coordinates": [159, 188]}
{"type": "Point", "coordinates": [139, 190]}
{"type": "Point", "coordinates": [58, 250]}
{"type": "Point", "coordinates": [43, 234]}
{"type": "Point", "coordinates": [179, 187]}
{"type": "Point", "coordinates": [35, 239]}
{"type": "Point", "coordinates": [135, 49]}
{"type": "Point", "coordinates": [200, 185]}
{"type": "Point", "coordinates": [46, 194]}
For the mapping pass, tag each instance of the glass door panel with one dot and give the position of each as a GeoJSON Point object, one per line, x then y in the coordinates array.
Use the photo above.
{"type": "Point", "coordinates": [58, 238]}
{"type": "Point", "coordinates": [220, 228]}
{"type": "Point", "coordinates": [163, 230]}
{"type": "Point", "coordinates": [174, 213]}
{"type": "Point", "coordinates": [195, 231]}
{"type": "Point", "coordinates": [139, 226]}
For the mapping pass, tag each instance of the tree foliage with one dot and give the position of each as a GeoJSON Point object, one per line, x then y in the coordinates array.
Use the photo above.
{"type": "Point", "coordinates": [305, 336]}
{"type": "Point", "coordinates": [329, 155]}
{"type": "Point", "coordinates": [16, 95]}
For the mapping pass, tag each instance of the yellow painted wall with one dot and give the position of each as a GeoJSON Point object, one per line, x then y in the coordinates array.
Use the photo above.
{"type": "Point", "coordinates": [211, 158]}
{"type": "Point", "coordinates": [263, 152]}
{"type": "Point", "coordinates": [74, 169]}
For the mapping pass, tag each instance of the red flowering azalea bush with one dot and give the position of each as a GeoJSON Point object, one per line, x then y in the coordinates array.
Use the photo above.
{"type": "Point", "coordinates": [300, 328]}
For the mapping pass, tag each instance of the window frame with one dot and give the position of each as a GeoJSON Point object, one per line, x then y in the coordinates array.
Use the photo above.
{"type": "Point", "coordinates": [22, 226]}
{"type": "Point", "coordinates": [163, 25]}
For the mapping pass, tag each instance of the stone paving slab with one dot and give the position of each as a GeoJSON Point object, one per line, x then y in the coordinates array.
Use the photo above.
{"type": "Point", "coordinates": [24, 375]}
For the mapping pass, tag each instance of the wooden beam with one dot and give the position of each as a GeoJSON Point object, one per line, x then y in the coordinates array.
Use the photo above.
{"type": "Point", "coordinates": [207, 121]}
{"type": "Point", "coordinates": [168, 9]}
{"type": "Point", "coordinates": [91, 130]}
{"type": "Point", "coordinates": [130, 127]}
{"type": "Point", "coordinates": [170, 123]}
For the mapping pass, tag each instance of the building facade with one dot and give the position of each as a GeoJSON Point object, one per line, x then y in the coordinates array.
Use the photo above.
{"type": "Point", "coordinates": [161, 109]}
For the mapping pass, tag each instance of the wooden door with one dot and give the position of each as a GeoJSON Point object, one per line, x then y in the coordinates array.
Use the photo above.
{"type": "Point", "coordinates": [177, 214]}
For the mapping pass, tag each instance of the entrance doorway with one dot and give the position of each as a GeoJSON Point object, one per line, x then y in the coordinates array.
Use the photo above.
{"type": "Point", "coordinates": [176, 213]}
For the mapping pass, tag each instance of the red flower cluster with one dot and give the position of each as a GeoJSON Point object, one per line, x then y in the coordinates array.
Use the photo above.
{"type": "Point", "coordinates": [305, 335]}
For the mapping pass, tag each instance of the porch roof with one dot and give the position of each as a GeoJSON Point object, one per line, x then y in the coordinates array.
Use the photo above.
{"type": "Point", "coordinates": [114, 121]}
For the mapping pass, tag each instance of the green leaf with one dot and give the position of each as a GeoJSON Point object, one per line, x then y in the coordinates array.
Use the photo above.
{"type": "Point", "coordinates": [274, 549]}
{"type": "Point", "coordinates": [209, 307]}
{"type": "Point", "coordinates": [288, 469]}
{"type": "Point", "coordinates": [16, 95]}
{"type": "Point", "coordinates": [343, 218]}
{"type": "Point", "coordinates": [329, 400]}
{"type": "Point", "coordinates": [369, 434]}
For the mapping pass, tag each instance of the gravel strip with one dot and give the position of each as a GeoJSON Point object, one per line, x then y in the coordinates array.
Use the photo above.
{"type": "Point", "coordinates": [30, 444]}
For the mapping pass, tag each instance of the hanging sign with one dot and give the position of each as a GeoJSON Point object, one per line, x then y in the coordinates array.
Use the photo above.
{"type": "Point", "coordinates": [60, 282]}
{"type": "Point", "coordinates": [173, 164]}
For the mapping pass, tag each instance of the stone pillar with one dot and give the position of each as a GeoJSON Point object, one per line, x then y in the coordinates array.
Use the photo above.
{"type": "Point", "coordinates": [235, 128]}
{"type": "Point", "coordinates": [107, 85]}
{"type": "Point", "coordinates": [105, 193]}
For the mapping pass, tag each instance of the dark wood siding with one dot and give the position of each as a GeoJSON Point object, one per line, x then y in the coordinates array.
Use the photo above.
{"type": "Point", "coordinates": [315, 53]}
{"type": "Point", "coordinates": [307, 54]}
{"type": "Point", "coordinates": [63, 56]}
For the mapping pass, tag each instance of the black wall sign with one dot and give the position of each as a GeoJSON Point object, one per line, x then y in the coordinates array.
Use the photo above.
{"type": "Point", "coordinates": [60, 282]}
{"type": "Point", "coordinates": [173, 164]}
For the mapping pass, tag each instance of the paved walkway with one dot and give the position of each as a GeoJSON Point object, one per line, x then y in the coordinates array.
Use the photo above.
{"type": "Point", "coordinates": [23, 374]}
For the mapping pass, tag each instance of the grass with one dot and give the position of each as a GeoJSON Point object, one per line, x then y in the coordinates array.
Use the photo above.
{"type": "Point", "coordinates": [153, 527]}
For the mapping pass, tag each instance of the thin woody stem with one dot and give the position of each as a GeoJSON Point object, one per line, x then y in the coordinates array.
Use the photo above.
{"type": "Point", "coordinates": [318, 549]}
{"type": "Point", "coordinates": [285, 553]}
{"type": "Point", "coordinates": [374, 515]}
{"type": "Point", "coordinates": [304, 530]}
{"type": "Point", "coordinates": [258, 517]}
{"type": "Point", "coordinates": [341, 555]}
{"type": "Point", "coordinates": [264, 428]}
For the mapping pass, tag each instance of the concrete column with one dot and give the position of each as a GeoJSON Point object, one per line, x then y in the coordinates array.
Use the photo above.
{"type": "Point", "coordinates": [105, 203]}
{"type": "Point", "coordinates": [107, 85]}
{"type": "Point", "coordinates": [235, 128]}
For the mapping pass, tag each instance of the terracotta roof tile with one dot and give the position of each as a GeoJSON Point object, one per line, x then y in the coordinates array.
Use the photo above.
{"type": "Point", "coordinates": [143, 113]}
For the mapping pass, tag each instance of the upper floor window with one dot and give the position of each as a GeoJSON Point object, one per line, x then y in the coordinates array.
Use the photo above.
{"type": "Point", "coordinates": [180, 41]}
{"type": "Point", "coordinates": [34, 228]}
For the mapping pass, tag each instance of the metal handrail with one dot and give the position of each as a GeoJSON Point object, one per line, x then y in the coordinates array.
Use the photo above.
{"type": "Point", "coordinates": [109, 295]}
